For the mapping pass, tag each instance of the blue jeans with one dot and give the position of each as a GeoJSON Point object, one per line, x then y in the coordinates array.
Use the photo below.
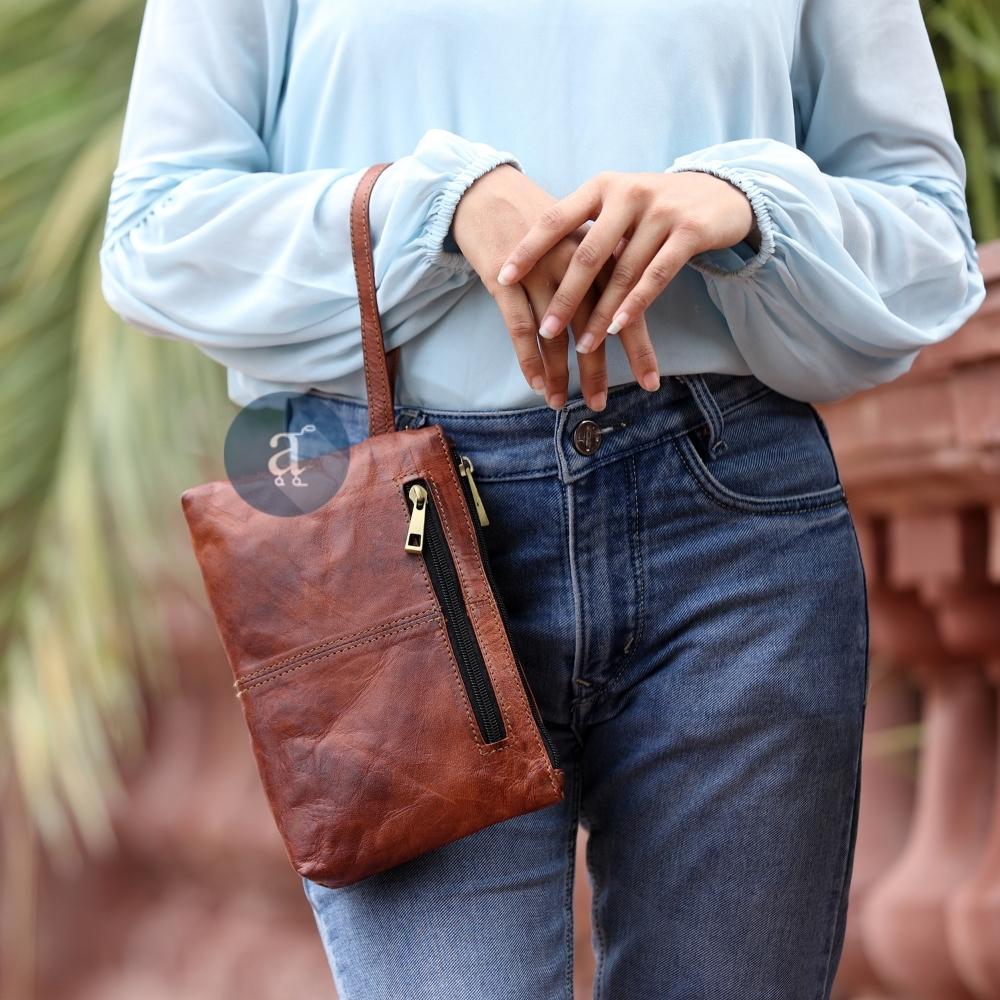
{"type": "Point", "coordinates": [688, 600]}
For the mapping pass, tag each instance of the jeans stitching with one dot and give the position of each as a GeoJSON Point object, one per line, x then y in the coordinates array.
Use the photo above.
{"type": "Point", "coordinates": [597, 462]}
{"type": "Point", "coordinates": [847, 836]}
{"type": "Point", "coordinates": [752, 505]}
{"type": "Point", "coordinates": [566, 500]}
{"type": "Point", "coordinates": [843, 896]}
{"type": "Point", "coordinates": [709, 409]}
{"type": "Point", "coordinates": [638, 568]}
{"type": "Point", "coordinates": [716, 445]}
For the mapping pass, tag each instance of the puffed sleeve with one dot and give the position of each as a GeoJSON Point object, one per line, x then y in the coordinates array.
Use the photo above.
{"type": "Point", "coordinates": [866, 253]}
{"type": "Point", "coordinates": [204, 242]}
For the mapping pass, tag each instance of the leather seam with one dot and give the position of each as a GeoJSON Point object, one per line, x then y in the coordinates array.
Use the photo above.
{"type": "Point", "coordinates": [331, 643]}
{"type": "Point", "coordinates": [378, 403]}
{"type": "Point", "coordinates": [241, 687]}
{"type": "Point", "coordinates": [442, 628]}
{"type": "Point", "coordinates": [527, 720]}
{"type": "Point", "coordinates": [504, 707]}
{"type": "Point", "coordinates": [469, 532]}
{"type": "Point", "coordinates": [374, 324]}
{"type": "Point", "coordinates": [485, 749]}
{"type": "Point", "coordinates": [493, 612]}
{"type": "Point", "coordinates": [355, 212]}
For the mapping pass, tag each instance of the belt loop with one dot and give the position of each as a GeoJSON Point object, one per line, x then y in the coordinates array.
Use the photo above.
{"type": "Point", "coordinates": [709, 408]}
{"type": "Point", "coordinates": [409, 417]}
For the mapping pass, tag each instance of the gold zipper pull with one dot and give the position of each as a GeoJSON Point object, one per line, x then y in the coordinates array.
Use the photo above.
{"type": "Point", "coordinates": [466, 466]}
{"type": "Point", "coordinates": [415, 532]}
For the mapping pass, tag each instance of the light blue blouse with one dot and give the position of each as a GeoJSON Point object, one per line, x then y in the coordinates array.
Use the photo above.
{"type": "Point", "coordinates": [249, 123]}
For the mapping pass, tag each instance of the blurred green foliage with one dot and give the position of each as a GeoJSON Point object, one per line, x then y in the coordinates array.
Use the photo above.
{"type": "Point", "coordinates": [104, 427]}
{"type": "Point", "coordinates": [966, 39]}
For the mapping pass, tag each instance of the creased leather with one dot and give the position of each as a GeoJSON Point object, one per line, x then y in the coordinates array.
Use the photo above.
{"type": "Point", "coordinates": [362, 729]}
{"type": "Point", "coordinates": [377, 377]}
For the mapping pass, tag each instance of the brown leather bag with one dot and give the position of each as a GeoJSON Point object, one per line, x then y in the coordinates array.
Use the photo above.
{"type": "Point", "coordinates": [387, 711]}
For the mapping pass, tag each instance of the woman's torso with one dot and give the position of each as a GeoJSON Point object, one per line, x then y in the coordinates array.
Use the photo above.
{"type": "Point", "coordinates": [571, 90]}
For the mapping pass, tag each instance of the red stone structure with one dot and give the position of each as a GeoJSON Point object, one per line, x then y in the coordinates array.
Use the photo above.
{"type": "Point", "coordinates": [921, 461]}
{"type": "Point", "coordinates": [199, 902]}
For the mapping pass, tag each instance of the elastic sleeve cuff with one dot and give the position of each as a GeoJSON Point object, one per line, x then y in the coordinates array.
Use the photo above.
{"type": "Point", "coordinates": [740, 261]}
{"type": "Point", "coordinates": [438, 244]}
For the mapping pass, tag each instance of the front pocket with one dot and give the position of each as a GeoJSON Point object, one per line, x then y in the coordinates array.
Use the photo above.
{"type": "Point", "coordinates": [425, 536]}
{"type": "Point", "coordinates": [776, 460]}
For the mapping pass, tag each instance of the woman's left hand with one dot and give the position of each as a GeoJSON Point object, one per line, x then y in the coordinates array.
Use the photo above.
{"type": "Point", "coordinates": [664, 219]}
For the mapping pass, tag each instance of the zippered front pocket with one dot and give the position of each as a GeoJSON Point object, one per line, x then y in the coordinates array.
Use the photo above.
{"type": "Point", "coordinates": [424, 521]}
{"type": "Point", "coordinates": [425, 535]}
{"type": "Point", "coordinates": [474, 500]}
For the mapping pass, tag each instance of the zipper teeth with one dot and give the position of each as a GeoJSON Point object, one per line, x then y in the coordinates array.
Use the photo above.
{"type": "Point", "coordinates": [480, 690]}
{"type": "Point", "coordinates": [468, 650]}
{"type": "Point", "coordinates": [498, 597]}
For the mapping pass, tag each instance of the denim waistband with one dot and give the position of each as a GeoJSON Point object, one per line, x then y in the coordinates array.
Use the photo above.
{"type": "Point", "coordinates": [539, 441]}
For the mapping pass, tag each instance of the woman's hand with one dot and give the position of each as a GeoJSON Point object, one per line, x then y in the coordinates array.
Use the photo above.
{"type": "Point", "coordinates": [665, 220]}
{"type": "Point", "coordinates": [494, 213]}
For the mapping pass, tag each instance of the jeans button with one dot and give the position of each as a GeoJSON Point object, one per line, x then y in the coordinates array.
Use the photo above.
{"type": "Point", "coordinates": [587, 437]}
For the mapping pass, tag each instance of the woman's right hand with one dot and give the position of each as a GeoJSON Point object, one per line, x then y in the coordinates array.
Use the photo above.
{"type": "Point", "coordinates": [492, 216]}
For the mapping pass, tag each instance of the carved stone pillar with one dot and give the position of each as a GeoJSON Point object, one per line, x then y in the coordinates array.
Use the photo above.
{"type": "Point", "coordinates": [970, 618]}
{"type": "Point", "coordinates": [920, 458]}
{"type": "Point", "coordinates": [900, 634]}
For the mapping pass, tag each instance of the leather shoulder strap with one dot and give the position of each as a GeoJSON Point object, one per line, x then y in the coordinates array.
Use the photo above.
{"type": "Point", "coordinates": [378, 382]}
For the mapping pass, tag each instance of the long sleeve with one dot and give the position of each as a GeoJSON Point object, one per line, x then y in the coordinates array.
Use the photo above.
{"type": "Point", "coordinates": [866, 251]}
{"type": "Point", "coordinates": [205, 242]}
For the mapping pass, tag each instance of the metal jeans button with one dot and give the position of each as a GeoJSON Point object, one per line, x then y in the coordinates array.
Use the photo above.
{"type": "Point", "coordinates": [586, 437]}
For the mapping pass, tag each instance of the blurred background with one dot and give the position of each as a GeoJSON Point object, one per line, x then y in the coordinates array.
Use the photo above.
{"type": "Point", "coordinates": [137, 856]}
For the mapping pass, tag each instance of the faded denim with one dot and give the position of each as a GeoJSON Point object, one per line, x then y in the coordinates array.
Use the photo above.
{"type": "Point", "coordinates": [689, 604]}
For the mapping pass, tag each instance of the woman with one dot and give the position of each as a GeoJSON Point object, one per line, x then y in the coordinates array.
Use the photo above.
{"type": "Point", "coordinates": [765, 203]}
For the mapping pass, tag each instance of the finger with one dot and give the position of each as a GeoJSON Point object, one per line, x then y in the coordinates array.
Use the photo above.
{"type": "Point", "coordinates": [515, 310]}
{"type": "Point", "coordinates": [554, 351]}
{"type": "Point", "coordinates": [660, 271]}
{"type": "Point", "coordinates": [594, 378]}
{"type": "Point", "coordinates": [631, 264]}
{"type": "Point", "coordinates": [555, 355]}
{"type": "Point", "coordinates": [592, 365]}
{"type": "Point", "coordinates": [554, 224]}
{"type": "Point", "coordinates": [590, 255]}
{"type": "Point", "coordinates": [641, 354]}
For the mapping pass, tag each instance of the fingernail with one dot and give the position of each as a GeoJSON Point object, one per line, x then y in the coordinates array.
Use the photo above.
{"type": "Point", "coordinates": [599, 401]}
{"type": "Point", "coordinates": [651, 381]}
{"type": "Point", "coordinates": [538, 384]}
{"type": "Point", "coordinates": [507, 274]}
{"type": "Point", "coordinates": [585, 343]}
{"type": "Point", "coordinates": [620, 321]}
{"type": "Point", "coordinates": [557, 401]}
{"type": "Point", "coordinates": [550, 327]}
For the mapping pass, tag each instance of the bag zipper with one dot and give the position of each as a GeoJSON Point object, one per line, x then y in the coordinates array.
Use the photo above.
{"type": "Point", "coordinates": [425, 535]}
{"type": "Point", "coordinates": [469, 485]}
{"type": "Point", "coordinates": [418, 520]}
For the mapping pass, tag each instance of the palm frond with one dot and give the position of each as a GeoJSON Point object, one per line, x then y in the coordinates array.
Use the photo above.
{"type": "Point", "coordinates": [103, 428]}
